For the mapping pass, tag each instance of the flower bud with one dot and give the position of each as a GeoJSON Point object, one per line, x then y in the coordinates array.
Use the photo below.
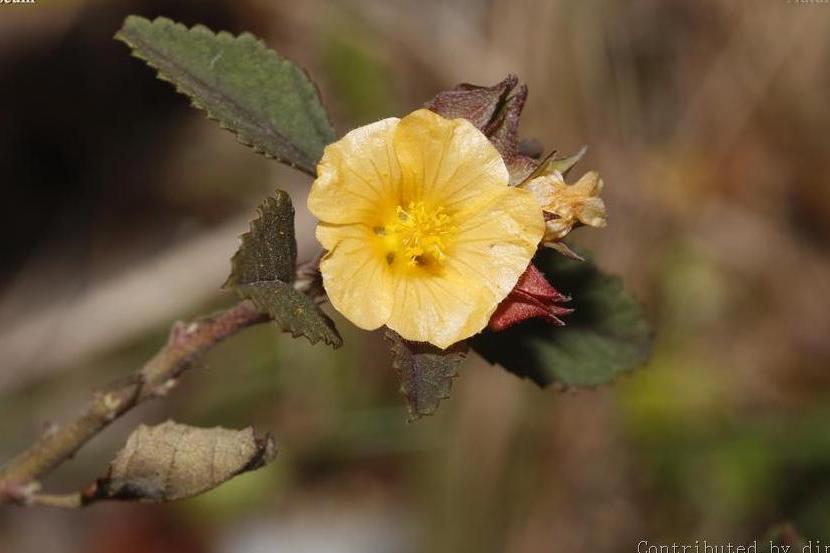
{"type": "Point", "coordinates": [531, 298]}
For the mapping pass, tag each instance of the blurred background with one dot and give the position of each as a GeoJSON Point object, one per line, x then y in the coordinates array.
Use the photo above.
{"type": "Point", "coordinates": [710, 123]}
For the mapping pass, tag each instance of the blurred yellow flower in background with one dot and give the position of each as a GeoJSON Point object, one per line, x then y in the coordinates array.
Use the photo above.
{"type": "Point", "coordinates": [422, 232]}
{"type": "Point", "coordinates": [568, 205]}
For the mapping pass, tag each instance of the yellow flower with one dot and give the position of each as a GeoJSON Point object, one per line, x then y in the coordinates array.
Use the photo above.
{"type": "Point", "coordinates": [422, 232]}
{"type": "Point", "coordinates": [566, 206]}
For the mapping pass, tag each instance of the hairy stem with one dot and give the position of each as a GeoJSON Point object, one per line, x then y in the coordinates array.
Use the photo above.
{"type": "Point", "coordinates": [186, 343]}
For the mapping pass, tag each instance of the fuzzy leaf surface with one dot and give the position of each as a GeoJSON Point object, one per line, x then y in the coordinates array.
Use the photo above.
{"type": "Point", "coordinates": [269, 102]}
{"type": "Point", "coordinates": [269, 250]}
{"type": "Point", "coordinates": [426, 372]}
{"type": "Point", "coordinates": [263, 270]}
{"type": "Point", "coordinates": [293, 311]}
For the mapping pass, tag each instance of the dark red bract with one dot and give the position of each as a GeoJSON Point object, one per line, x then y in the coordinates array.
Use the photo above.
{"type": "Point", "coordinates": [532, 297]}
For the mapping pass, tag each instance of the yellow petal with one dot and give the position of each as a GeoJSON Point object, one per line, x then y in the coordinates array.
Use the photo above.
{"type": "Point", "coordinates": [439, 310]}
{"type": "Point", "coordinates": [356, 277]}
{"type": "Point", "coordinates": [492, 249]}
{"type": "Point", "coordinates": [357, 176]}
{"type": "Point", "coordinates": [496, 243]}
{"type": "Point", "coordinates": [446, 162]}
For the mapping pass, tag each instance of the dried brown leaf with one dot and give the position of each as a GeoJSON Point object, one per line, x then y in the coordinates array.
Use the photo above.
{"type": "Point", "coordinates": [173, 461]}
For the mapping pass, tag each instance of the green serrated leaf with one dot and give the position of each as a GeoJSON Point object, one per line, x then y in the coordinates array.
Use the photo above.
{"type": "Point", "coordinates": [268, 101]}
{"type": "Point", "coordinates": [269, 250]}
{"type": "Point", "coordinates": [604, 337]}
{"type": "Point", "coordinates": [293, 311]}
{"type": "Point", "coordinates": [263, 269]}
{"type": "Point", "coordinates": [426, 372]}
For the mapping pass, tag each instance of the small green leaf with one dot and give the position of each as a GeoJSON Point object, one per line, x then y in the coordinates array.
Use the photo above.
{"type": "Point", "coordinates": [263, 270]}
{"type": "Point", "coordinates": [269, 102]}
{"type": "Point", "coordinates": [269, 250]}
{"type": "Point", "coordinates": [293, 311]}
{"type": "Point", "coordinates": [426, 372]}
{"type": "Point", "coordinates": [604, 337]}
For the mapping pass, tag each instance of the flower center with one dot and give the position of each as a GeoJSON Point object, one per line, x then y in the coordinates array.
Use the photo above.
{"type": "Point", "coordinates": [417, 234]}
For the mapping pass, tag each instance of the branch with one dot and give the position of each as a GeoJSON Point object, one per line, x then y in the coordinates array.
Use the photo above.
{"type": "Point", "coordinates": [63, 501]}
{"type": "Point", "coordinates": [186, 343]}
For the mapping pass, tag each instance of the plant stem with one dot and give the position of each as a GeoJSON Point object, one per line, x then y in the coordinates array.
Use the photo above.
{"type": "Point", "coordinates": [186, 343]}
{"type": "Point", "coordinates": [68, 501]}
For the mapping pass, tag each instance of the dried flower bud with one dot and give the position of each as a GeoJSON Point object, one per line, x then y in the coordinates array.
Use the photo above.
{"type": "Point", "coordinates": [567, 206]}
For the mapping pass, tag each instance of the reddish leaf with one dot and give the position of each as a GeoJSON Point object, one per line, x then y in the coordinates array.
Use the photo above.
{"type": "Point", "coordinates": [503, 132]}
{"type": "Point", "coordinates": [477, 104]}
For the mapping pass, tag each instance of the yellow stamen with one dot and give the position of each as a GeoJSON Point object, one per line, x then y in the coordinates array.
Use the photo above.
{"type": "Point", "coordinates": [418, 234]}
